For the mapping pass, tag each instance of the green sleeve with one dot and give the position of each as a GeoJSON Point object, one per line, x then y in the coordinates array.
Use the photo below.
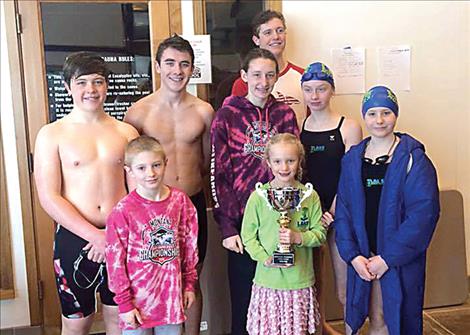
{"type": "Point", "coordinates": [250, 227]}
{"type": "Point", "coordinates": [316, 234]}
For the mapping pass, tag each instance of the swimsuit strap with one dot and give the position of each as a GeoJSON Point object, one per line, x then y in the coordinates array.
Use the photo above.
{"type": "Point", "coordinates": [303, 123]}
{"type": "Point", "coordinates": [340, 122]}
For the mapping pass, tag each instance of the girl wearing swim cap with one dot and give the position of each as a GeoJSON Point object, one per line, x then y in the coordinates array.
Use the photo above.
{"type": "Point", "coordinates": [386, 211]}
{"type": "Point", "coordinates": [326, 136]}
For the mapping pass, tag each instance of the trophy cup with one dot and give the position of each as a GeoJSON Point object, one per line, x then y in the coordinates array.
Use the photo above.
{"type": "Point", "coordinates": [284, 200]}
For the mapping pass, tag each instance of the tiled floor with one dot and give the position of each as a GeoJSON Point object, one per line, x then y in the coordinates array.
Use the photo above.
{"type": "Point", "coordinates": [454, 320]}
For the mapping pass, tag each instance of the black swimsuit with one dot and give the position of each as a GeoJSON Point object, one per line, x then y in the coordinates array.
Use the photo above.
{"type": "Point", "coordinates": [373, 176]}
{"type": "Point", "coordinates": [199, 201]}
{"type": "Point", "coordinates": [323, 153]}
{"type": "Point", "coordinates": [77, 278]}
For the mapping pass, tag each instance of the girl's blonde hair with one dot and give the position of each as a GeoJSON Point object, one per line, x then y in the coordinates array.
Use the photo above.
{"type": "Point", "coordinates": [287, 138]}
{"type": "Point", "coordinates": [141, 144]}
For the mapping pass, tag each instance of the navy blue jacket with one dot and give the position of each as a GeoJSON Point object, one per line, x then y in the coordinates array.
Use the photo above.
{"type": "Point", "coordinates": [407, 216]}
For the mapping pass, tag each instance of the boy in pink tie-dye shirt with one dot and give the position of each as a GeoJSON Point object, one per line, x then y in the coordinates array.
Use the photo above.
{"type": "Point", "coordinates": [151, 252]}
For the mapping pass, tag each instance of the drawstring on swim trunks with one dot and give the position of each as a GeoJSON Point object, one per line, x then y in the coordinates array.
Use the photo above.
{"type": "Point", "coordinates": [80, 278]}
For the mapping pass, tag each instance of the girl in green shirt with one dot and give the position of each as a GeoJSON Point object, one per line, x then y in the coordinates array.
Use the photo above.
{"type": "Point", "coordinates": [283, 299]}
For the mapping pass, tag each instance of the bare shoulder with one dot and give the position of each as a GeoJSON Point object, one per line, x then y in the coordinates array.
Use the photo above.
{"type": "Point", "coordinates": [125, 129]}
{"type": "Point", "coordinates": [202, 107]}
{"type": "Point", "coordinates": [47, 144]}
{"type": "Point", "coordinates": [139, 110]}
{"type": "Point", "coordinates": [50, 133]}
{"type": "Point", "coordinates": [351, 131]}
{"type": "Point", "coordinates": [351, 126]}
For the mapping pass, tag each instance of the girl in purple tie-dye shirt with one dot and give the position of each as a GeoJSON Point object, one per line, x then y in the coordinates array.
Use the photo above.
{"type": "Point", "coordinates": [240, 131]}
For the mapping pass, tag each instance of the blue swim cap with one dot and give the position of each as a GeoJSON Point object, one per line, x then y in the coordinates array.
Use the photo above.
{"type": "Point", "coordinates": [318, 71]}
{"type": "Point", "coordinates": [380, 96]}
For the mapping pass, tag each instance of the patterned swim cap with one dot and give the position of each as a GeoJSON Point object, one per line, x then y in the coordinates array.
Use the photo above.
{"type": "Point", "coordinates": [318, 71]}
{"type": "Point", "coordinates": [380, 96]}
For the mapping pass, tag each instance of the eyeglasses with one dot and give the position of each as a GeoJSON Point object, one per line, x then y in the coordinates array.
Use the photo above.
{"type": "Point", "coordinates": [82, 268]}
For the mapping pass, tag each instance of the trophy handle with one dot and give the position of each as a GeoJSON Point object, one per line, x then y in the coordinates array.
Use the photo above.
{"type": "Point", "coordinates": [305, 195]}
{"type": "Point", "coordinates": [263, 194]}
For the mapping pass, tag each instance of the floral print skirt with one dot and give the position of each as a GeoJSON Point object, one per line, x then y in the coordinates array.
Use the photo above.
{"type": "Point", "coordinates": [282, 312]}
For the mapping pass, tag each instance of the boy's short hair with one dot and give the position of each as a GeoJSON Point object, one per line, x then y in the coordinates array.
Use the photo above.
{"type": "Point", "coordinates": [263, 17]}
{"type": "Point", "coordinates": [82, 63]}
{"type": "Point", "coordinates": [175, 42]}
{"type": "Point", "coordinates": [141, 144]}
{"type": "Point", "coordinates": [256, 53]}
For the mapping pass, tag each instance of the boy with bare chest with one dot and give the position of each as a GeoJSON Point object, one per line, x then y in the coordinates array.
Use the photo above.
{"type": "Point", "coordinates": [181, 126]}
{"type": "Point", "coordinates": [79, 177]}
{"type": "Point", "coordinates": [181, 122]}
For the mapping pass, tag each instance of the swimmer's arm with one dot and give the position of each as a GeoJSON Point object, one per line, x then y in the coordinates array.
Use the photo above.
{"type": "Point", "coordinates": [315, 235]}
{"type": "Point", "coordinates": [117, 236]}
{"type": "Point", "coordinates": [346, 240]}
{"type": "Point", "coordinates": [188, 232]}
{"type": "Point", "coordinates": [48, 178]}
{"type": "Point", "coordinates": [134, 117]}
{"type": "Point", "coordinates": [250, 228]}
{"type": "Point", "coordinates": [131, 133]}
{"type": "Point", "coordinates": [332, 209]}
{"type": "Point", "coordinates": [208, 116]}
{"type": "Point", "coordinates": [352, 133]}
{"type": "Point", "coordinates": [226, 205]}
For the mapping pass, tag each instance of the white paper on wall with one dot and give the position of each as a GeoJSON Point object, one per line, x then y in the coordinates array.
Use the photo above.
{"type": "Point", "coordinates": [394, 64]}
{"type": "Point", "coordinates": [348, 66]}
{"type": "Point", "coordinates": [201, 44]}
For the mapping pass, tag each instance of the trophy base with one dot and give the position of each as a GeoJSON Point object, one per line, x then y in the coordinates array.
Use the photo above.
{"type": "Point", "coordinates": [283, 259]}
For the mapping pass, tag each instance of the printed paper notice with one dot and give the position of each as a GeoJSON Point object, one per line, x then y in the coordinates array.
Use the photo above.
{"type": "Point", "coordinates": [201, 44]}
{"type": "Point", "coordinates": [394, 67]}
{"type": "Point", "coordinates": [349, 70]}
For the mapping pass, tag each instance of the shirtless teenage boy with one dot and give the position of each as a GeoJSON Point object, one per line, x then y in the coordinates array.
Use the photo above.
{"type": "Point", "coordinates": [181, 122]}
{"type": "Point", "coordinates": [79, 174]}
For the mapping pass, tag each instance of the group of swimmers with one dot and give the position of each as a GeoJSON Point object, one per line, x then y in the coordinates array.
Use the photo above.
{"type": "Point", "coordinates": [374, 200]}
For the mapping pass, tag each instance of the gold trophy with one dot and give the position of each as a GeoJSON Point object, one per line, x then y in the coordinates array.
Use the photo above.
{"type": "Point", "coordinates": [283, 200]}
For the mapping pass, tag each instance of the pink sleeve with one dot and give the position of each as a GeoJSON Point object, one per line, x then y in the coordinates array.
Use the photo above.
{"type": "Point", "coordinates": [117, 233]}
{"type": "Point", "coordinates": [239, 88]}
{"type": "Point", "coordinates": [188, 237]}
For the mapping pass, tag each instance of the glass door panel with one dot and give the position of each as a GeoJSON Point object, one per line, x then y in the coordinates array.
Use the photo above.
{"type": "Point", "coordinates": [126, 34]}
{"type": "Point", "coordinates": [116, 31]}
{"type": "Point", "coordinates": [229, 24]}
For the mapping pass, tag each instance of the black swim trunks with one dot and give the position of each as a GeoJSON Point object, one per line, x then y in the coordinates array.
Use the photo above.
{"type": "Point", "coordinates": [78, 279]}
{"type": "Point", "coordinates": [199, 201]}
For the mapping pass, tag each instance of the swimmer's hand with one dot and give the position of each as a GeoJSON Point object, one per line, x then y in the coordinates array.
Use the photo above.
{"type": "Point", "coordinates": [96, 247]}
{"type": "Point", "coordinates": [327, 219]}
{"type": "Point", "coordinates": [288, 236]}
{"type": "Point", "coordinates": [377, 266]}
{"type": "Point", "coordinates": [131, 318]}
{"type": "Point", "coordinates": [360, 264]}
{"type": "Point", "coordinates": [188, 299]}
{"type": "Point", "coordinates": [233, 243]}
{"type": "Point", "coordinates": [269, 262]}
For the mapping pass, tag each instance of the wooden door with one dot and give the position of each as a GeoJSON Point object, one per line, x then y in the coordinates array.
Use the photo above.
{"type": "Point", "coordinates": [7, 289]}
{"type": "Point", "coordinates": [38, 92]}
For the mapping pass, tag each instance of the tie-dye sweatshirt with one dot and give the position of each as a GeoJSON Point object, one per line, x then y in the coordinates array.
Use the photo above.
{"type": "Point", "coordinates": [239, 134]}
{"type": "Point", "coordinates": [151, 256]}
